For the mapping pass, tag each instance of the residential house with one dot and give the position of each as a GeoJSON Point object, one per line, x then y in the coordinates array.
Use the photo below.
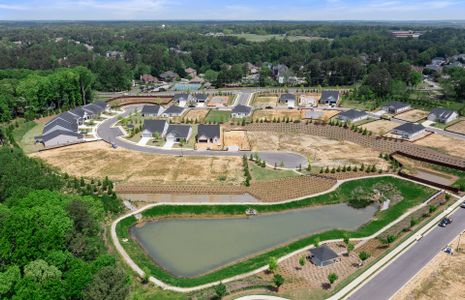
{"type": "Point", "coordinates": [323, 256]}
{"type": "Point", "coordinates": [396, 107]}
{"type": "Point", "coordinates": [442, 115]}
{"type": "Point", "coordinates": [168, 76]}
{"type": "Point", "coordinates": [409, 131]}
{"type": "Point", "coordinates": [330, 97]}
{"type": "Point", "coordinates": [251, 68]}
{"type": "Point", "coordinates": [151, 110]}
{"type": "Point", "coordinates": [352, 116]}
{"type": "Point", "coordinates": [154, 127]}
{"type": "Point", "coordinates": [407, 33]}
{"type": "Point", "coordinates": [289, 99]}
{"type": "Point", "coordinates": [191, 72]}
{"type": "Point", "coordinates": [241, 111]}
{"type": "Point", "coordinates": [438, 61]}
{"type": "Point", "coordinates": [176, 133]}
{"type": "Point", "coordinates": [281, 73]}
{"type": "Point", "coordinates": [181, 99]}
{"type": "Point", "coordinates": [208, 134]}
{"type": "Point", "coordinates": [173, 111]}
{"type": "Point", "coordinates": [60, 137]}
{"type": "Point", "coordinates": [59, 124]}
{"type": "Point", "coordinates": [198, 99]}
{"type": "Point", "coordinates": [114, 54]}
{"type": "Point", "coordinates": [148, 78]}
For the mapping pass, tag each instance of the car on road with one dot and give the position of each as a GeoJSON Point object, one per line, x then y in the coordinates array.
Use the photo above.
{"type": "Point", "coordinates": [462, 205]}
{"type": "Point", "coordinates": [444, 222]}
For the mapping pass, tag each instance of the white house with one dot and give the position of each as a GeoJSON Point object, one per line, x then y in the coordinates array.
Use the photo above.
{"type": "Point", "coordinates": [241, 111]}
{"type": "Point", "coordinates": [409, 131]}
{"type": "Point", "coordinates": [352, 115]}
{"type": "Point", "coordinates": [442, 115]}
{"type": "Point", "coordinates": [152, 127]}
{"type": "Point", "coordinates": [396, 107]}
{"type": "Point", "coordinates": [288, 99]}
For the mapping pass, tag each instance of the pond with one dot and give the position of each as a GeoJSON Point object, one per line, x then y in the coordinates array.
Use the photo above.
{"type": "Point", "coordinates": [192, 247]}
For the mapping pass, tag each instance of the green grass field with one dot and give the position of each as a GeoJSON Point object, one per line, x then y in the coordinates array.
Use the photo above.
{"type": "Point", "coordinates": [259, 173]}
{"type": "Point", "coordinates": [413, 195]}
{"type": "Point", "coordinates": [218, 116]}
{"type": "Point", "coordinates": [24, 135]}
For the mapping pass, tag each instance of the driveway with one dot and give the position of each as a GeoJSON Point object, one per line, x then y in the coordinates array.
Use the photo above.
{"type": "Point", "coordinates": [113, 135]}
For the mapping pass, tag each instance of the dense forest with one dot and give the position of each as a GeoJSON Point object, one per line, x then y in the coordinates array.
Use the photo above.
{"type": "Point", "coordinates": [69, 59]}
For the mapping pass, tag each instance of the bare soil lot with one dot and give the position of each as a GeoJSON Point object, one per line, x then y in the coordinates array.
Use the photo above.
{"type": "Point", "coordinates": [380, 127]}
{"type": "Point", "coordinates": [219, 101]}
{"type": "Point", "coordinates": [458, 127]}
{"type": "Point", "coordinates": [270, 114]}
{"type": "Point", "coordinates": [442, 278]}
{"type": "Point", "coordinates": [236, 138]}
{"type": "Point", "coordinates": [98, 159]}
{"type": "Point", "coordinates": [413, 115]}
{"type": "Point", "coordinates": [196, 114]}
{"type": "Point", "coordinates": [321, 151]}
{"type": "Point", "coordinates": [264, 101]}
{"type": "Point", "coordinates": [444, 144]}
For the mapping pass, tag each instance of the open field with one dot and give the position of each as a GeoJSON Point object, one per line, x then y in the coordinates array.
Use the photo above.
{"type": "Point", "coordinates": [220, 101]}
{"type": "Point", "coordinates": [321, 151]}
{"type": "Point", "coordinates": [196, 114]}
{"type": "Point", "coordinates": [270, 114]}
{"type": "Point", "coordinates": [324, 115]}
{"type": "Point", "coordinates": [413, 115]}
{"type": "Point", "coordinates": [264, 101]}
{"type": "Point", "coordinates": [442, 278]}
{"type": "Point", "coordinates": [251, 37]}
{"type": "Point", "coordinates": [98, 159]}
{"type": "Point", "coordinates": [236, 138]}
{"type": "Point", "coordinates": [218, 116]}
{"type": "Point", "coordinates": [26, 131]}
{"type": "Point", "coordinates": [444, 144]}
{"type": "Point", "coordinates": [380, 127]}
{"type": "Point", "coordinates": [457, 127]}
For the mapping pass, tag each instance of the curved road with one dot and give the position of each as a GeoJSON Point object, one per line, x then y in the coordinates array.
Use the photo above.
{"type": "Point", "coordinates": [110, 134]}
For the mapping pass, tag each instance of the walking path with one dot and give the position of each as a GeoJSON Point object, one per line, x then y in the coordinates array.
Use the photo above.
{"type": "Point", "coordinates": [163, 285]}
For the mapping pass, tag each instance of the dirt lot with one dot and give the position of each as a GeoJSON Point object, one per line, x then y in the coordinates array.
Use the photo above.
{"type": "Point", "coordinates": [442, 278]}
{"type": "Point", "coordinates": [325, 114]}
{"type": "Point", "coordinates": [236, 138]}
{"type": "Point", "coordinates": [444, 144]}
{"type": "Point", "coordinates": [98, 159]}
{"type": "Point", "coordinates": [457, 127]}
{"type": "Point", "coordinates": [413, 115]}
{"type": "Point", "coordinates": [265, 101]}
{"type": "Point", "coordinates": [218, 101]}
{"type": "Point", "coordinates": [380, 127]}
{"type": "Point", "coordinates": [270, 114]}
{"type": "Point", "coordinates": [196, 114]}
{"type": "Point", "coordinates": [322, 151]}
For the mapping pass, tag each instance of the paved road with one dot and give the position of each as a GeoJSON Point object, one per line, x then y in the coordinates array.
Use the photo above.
{"type": "Point", "coordinates": [243, 98]}
{"type": "Point", "coordinates": [110, 134]}
{"type": "Point", "coordinates": [386, 283]}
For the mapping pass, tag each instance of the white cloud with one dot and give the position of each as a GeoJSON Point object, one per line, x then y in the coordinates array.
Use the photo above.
{"type": "Point", "coordinates": [12, 7]}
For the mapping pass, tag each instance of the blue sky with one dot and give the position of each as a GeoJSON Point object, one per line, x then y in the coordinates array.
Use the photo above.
{"type": "Point", "coordinates": [232, 10]}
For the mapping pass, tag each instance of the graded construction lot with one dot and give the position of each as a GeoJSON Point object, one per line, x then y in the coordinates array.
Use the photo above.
{"type": "Point", "coordinates": [458, 127]}
{"type": "Point", "coordinates": [236, 138]}
{"type": "Point", "coordinates": [444, 144]}
{"type": "Point", "coordinates": [413, 115]}
{"type": "Point", "coordinates": [196, 114]}
{"type": "Point", "coordinates": [275, 114]}
{"type": "Point", "coordinates": [321, 151]}
{"type": "Point", "coordinates": [380, 127]}
{"type": "Point", "coordinates": [98, 159]}
{"type": "Point", "coordinates": [264, 101]}
{"type": "Point", "coordinates": [442, 278]}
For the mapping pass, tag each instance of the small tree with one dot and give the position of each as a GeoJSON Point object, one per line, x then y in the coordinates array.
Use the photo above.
{"type": "Point", "coordinates": [278, 281]}
{"type": "Point", "coordinates": [220, 290]}
{"type": "Point", "coordinates": [316, 243]}
{"type": "Point", "coordinates": [272, 264]}
{"type": "Point", "coordinates": [363, 255]}
{"type": "Point", "coordinates": [302, 261]}
{"type": "Point", "coordinates": [332, 277]}
{"type": "Point", "coordinates": [350, 248]}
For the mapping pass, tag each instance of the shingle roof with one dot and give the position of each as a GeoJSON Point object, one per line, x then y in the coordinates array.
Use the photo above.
{"type": "Point", "coordinates": [102, 104]}
{"type": "Point", "coordinates": [209, 131]}
{"type": "Point", "coordinates": [181, 96]}
{"type": "Point", "coordinates": [200, 97]}
{"type": "Point", "coordinates": [328, 95]}
{"type": "Point", "coordinates": [68, 117]}
{"type": "Point", "coordinates": [174, 109]}
{"type": "Point", "coordinates": [352, 114]}
{"type": "Point", "coordinates": [57, 122]}
{"type": "Point", "coordinates": [242, 109]}
{"type": "Point", "coordinates": [410, 128]}
{"type": "Point", "coordinates": [56, 133]}
{"type": "Point", "coordinates": [93, 108]}
{"type": "Point", "coordinates": [397, 105]}
{"type": "Point", "coordinates": [323, 253]}
{"type": "Point", "coordinates": [179, 131]}
{"type": "Point", "coordinates": [150, 109]}
{"type": "Point", "coordinates": [154, 126]}
{"type": "Point", "coordinates": [78, 111]}
{"type": "Point", "coordinates": [287, 97]}
{"type": "Point", "coordinates": [442, 113]}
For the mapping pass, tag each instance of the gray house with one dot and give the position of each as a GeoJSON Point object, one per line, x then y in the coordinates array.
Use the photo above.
{"type": "Point", "coordinates": [396, 107]}
{"type": "Point", "coordinates": [241, 111]}
{"type": "Point", "coordinates": [177, 132]}
{"type": "Point", "coordinates": [60, 137]}
{"type": "Point", "coordinates": [173, 111]}
{"type": "Point", "coordinates": [59, 124]}
{"type": "Point", "coordinates": [409, 131]}
{"type": "Point", "coordinates": [152, 127]}
{"type": "Point", "coordinates": [288, 99]}
{"type": "Point", "coordinates": [208, 134]}
{"type": "Point", "coordinates": [181, 99]}
{"type": "Point", "coordinates": [198, 98]}
{"type": "Point", "coordinates": [323, 256]}
{"type": "Point", "coordinates": [352, 115]}
{"type": "Point", "coordinates": [442, 115]}
{"type": "Point", "coordinates": [329, 97]}
{"type": "Point", "coordinates": [150, 110]}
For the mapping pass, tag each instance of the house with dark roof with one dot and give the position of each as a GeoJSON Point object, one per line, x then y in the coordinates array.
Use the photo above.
{"type": "Point", "coordinates": [323, 256]}
{"type": "Point", "coordinates": [150, 110]}
{"type": "Point", "coordinates": [442, 115]}
{"type": "Point", "coordinates": [181, 99]}
{"type": "Point", "coordinates": [148, 78]}
{"type": "Point", "coordinates": [60, 137]}
{"type": "Point", "coordinates": [198, 98]}
{"type": "Point", "coordinates": [409, 131]}
{"type": "Point", "coordinates": [289, 99]}
{"type": "Point", "coordinates": [173, 111]}
{"type": "Point", "coordinates": [152, 127]}
{"type": "Point", "coordinates": [329, 97]}
{"type": "Point", "coordinates": [59, 124]}
{"type": "Point", "coordinates": [241, 111]}
{"type": "Point", "coordinates": [396, 107]}
{"type": "Point", "coordinates": [281, 73]}
{"type": "Point", "coordinates": [68, 117]}
{"type": "Point", "coordinates": [352, 116]}
{"type": "Point", "coordinates": [178, 132]}
{"type": "Point", "coordinates": [169, 76]}
{"type": "Point", "coordinates": [208, 134]}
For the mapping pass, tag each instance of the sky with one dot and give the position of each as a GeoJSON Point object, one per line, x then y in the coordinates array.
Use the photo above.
{"type": "Point", "coordinates": [232, 10]}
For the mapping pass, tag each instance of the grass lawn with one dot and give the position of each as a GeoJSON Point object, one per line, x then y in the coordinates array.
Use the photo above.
{"type": "Point", "coordinates": [259, 173]}
{"type": "Point", "coordinates": [218, 116]}
{"type": "Point", "coordinates": [413, 194]}
{"type": "Point", "coordinates": [24, 135]}
{"type": "Point", "coordinates": [364, 105]}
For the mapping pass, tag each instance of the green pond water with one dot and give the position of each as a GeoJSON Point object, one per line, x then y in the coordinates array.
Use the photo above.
{"type": "Point", "coordinates": [191, 247]}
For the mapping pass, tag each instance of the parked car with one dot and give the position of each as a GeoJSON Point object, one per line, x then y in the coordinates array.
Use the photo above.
{"type": "Point", "coordinates": [444, 222]}
{"type": "Point", "coordinates": [462, 205]}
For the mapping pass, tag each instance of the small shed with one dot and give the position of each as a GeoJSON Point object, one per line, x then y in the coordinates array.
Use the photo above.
{"type": "Point", "coordinates": [323, 256]}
